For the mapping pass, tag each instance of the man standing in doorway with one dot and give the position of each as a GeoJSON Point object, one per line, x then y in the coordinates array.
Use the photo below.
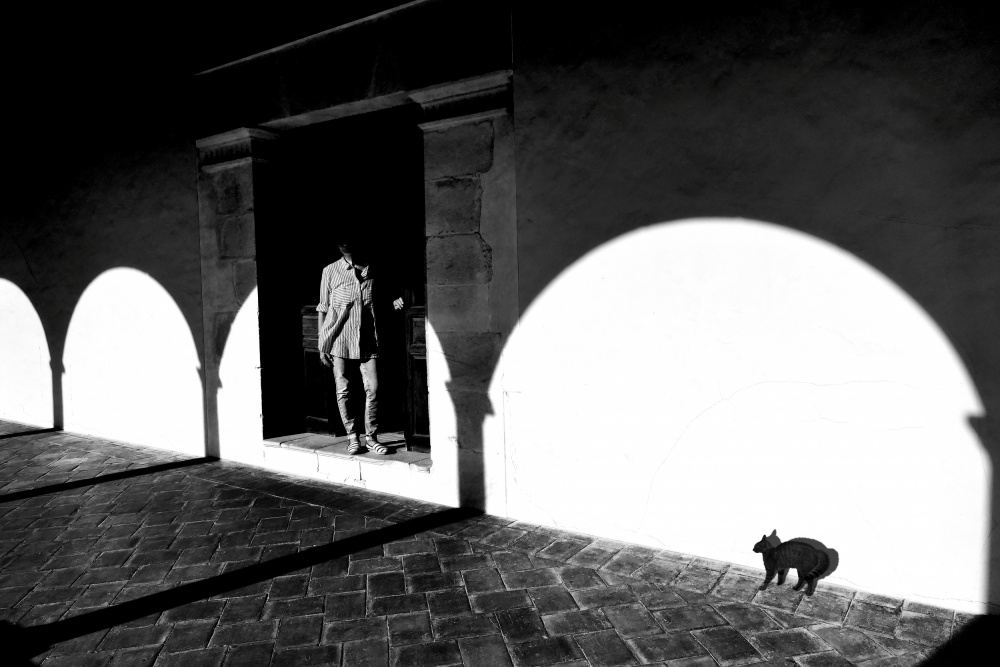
{"type": "Point", "coordinates": [348, 336]}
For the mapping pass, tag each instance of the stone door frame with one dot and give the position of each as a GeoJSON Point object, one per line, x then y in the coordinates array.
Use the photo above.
{"type": "Point", "coordinates": [470, 231]}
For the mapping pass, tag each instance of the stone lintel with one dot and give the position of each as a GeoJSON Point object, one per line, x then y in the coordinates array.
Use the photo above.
{"type": "Point", "coordinates": [468, 119]}
{"type": "Point", "coordinates": [231, 148]}
{"type": "Point", "coordinates": [234, 136]}
{"type": "Point", "coordinates": [230, 164]}
{"type": "Point", "coordinates": [485, 93]}
{"type": "Point", "coordinates": [366, 59]}
{"type": "Point", "coordinates": [339, 111]}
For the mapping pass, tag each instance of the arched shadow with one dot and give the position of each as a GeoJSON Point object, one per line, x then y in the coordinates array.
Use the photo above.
{"type": "Point", "coordinates": [132, 365]}
{"type": "Point", "coordinates": [237, 389]}
{"type": "Point", "coordinates": [817, 126]}
{"type": "Point", "coordinates": [761, 353]}
{"type": "Point", "coordinates": [27, 393]}
{"type": "Point", "coordinates": [462, 363]}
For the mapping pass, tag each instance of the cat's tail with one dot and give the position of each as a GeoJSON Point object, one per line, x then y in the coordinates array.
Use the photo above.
{"type": "Point", "coordinates": [821, 567]}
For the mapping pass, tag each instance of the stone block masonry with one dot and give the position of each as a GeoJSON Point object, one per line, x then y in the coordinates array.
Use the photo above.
{"type": "Point", "coordinates": [463, 182]}
{"type": "Point", "coordinates": [231, 168]}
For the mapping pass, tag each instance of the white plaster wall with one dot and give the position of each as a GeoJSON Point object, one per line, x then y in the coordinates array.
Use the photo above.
{"type": "Point", "coordinates": [131, 367]}
{"type": "Point", "coordinates": [760, 379]}
{"type": "Point", "coordinates": [239, 394]}
{"type": "Point", "coordinates": [25, 376]}
{"type": "Point", "coordinates": [444, 474]}
{"type": "Point", "coordinates": [123, 195]}
{"type": "Point", "coordinates": [856, 128]}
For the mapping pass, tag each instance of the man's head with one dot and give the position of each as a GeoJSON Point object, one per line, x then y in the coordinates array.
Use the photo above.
{"type": "Point", "coordinates": [350, 243]}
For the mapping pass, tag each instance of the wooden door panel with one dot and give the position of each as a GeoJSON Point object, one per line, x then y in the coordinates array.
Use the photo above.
{"type": "Point", "coordinates": [321, 413]}
{"type": "Point", "coordinates": [418, 420]}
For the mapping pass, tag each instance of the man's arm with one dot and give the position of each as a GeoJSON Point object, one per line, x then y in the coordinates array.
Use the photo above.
{"type": "Point", "coordinates": [324, 300]}
{"type": "Point", "coordinates": [392, 285]}
{"type": "Point", "coordinates": [325, 359]}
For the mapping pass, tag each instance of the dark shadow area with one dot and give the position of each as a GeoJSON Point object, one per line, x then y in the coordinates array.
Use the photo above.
{"type": "Point", "coordinates": [987, 429]}
{"type": "Point", "coordinates": [31, 641]}
{"type": "Point", "coordinates": [363, 175]}
{"type": "Point", "coordinates": [972, 645]}
{"type": "Point", "coordinates": [102, 479]}
{"type": "Point", "coordinates": [57, 393]}
{"type": "Point", "coordinates": [54, 429]}
{"type": "Point", "coordinates": [471, 410]}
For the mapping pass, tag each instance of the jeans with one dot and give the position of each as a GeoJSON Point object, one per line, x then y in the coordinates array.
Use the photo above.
{"type": "Point", "coordinates": [344, 372]}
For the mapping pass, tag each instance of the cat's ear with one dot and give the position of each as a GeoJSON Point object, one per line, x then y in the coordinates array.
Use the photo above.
{"type": "Point", "coordinates": [774, 533]}
{"type": "Point", "coordinates": [763, 538]}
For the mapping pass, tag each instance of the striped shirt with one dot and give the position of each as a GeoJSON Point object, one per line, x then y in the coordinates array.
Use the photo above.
{"type": "Point", "coordinates": [346, 297]}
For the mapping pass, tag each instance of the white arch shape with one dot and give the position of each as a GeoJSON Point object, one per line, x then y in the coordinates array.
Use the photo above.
{"type": "Point", "coordinates": [702, 382]}
{"type": "Point", "coordinates": [131, 366]}
{"type": "Point", "coordinates": [239, 397]}
{"type": "Point", "coordinates": [25, 374]}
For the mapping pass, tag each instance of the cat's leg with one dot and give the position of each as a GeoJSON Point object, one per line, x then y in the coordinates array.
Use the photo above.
{"type": "Point", "coordinates": [801, 582]}
{"type": "Point", "coordinates": [812, 586]}
{"type": "Point", "coordinates": [768, 576]}
{"type": "Point", "coordinates": [782, 573]}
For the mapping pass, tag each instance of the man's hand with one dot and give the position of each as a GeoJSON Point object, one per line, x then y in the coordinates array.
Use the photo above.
{"type": "Point", "coordinates": [398, 304]}
{"type": "Point", "coordinates": [326, 359]}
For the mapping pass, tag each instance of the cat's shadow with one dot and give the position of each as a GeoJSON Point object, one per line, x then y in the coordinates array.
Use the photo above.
{"type": "Point", "coordinates": [832, 555]}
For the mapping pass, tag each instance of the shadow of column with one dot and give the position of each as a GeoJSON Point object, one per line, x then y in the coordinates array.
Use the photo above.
{"type": "Point", "coordinates": [988, 431]}
{"type": "Point", "coordinates": [472, 359]}
{"type": "Point", "coordinates": [22, 643]}
{"type": "Point", "coordinates": [968, 645]}
{"type": "Point", "coordinates": [58, 369]}
{"type": "Point", "coordinates": [470, 417]}
{"type": "Point", "coordinates": [471, 262]}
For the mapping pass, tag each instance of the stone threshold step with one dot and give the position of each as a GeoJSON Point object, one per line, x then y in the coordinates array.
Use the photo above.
{"type": "Point", "coordinates": [335, 447]}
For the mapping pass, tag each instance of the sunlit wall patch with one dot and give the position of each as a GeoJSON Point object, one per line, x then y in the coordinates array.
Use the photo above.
{"type": "Point", "coordinates": [25, 374]}
{"type": "Point", "coordinates": [239, 393]}
{"type": "Point", "coordinates": [702, 382]}
{"type": "Point", "coordinates": [131, 366]}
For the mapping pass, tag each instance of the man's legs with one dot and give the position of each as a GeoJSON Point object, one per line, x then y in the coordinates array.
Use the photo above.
{"type": "Point", "coordinates": [341, 369]}
{"type": "Point", "coordinates": [369, 376]}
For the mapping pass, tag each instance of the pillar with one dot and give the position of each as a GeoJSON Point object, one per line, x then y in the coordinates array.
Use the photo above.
{"type": "Point", "coordinates": [231, 167]}
{"type": "Point", "coordinates": [471, 277]}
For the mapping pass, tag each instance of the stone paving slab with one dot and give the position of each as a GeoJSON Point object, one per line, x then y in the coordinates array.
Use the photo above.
{"type": "Point", "coordinates": [116, 554]}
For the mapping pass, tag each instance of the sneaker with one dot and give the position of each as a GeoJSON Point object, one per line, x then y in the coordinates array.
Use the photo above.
{"type": "Point", "coordinates": [375, 446]}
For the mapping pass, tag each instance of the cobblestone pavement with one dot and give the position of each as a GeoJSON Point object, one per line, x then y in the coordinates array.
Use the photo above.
{"type": "Point", "coordinates": [114, 554]}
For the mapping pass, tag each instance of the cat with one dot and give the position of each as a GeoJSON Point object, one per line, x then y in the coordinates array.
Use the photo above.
{"type": "Point", "coordinates": [808, 561]}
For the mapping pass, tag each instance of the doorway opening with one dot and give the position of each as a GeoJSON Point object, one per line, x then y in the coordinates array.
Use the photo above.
{"type": "Point", "coordinates": [363, 173]}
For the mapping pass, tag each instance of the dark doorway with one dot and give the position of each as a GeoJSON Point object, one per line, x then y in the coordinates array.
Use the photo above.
{"type": "Point", "coordinates": [365, 172]}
